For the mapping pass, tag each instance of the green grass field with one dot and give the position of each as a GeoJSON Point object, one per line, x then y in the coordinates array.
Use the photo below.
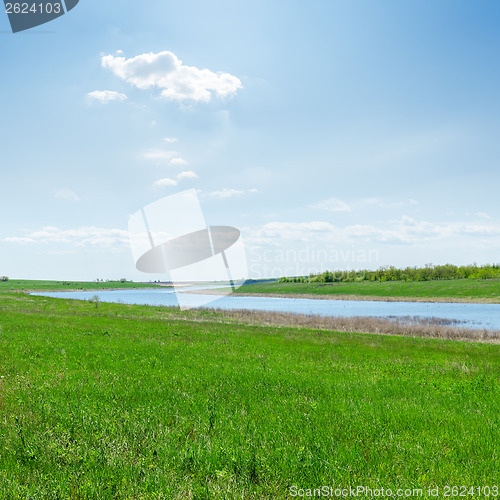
{"type": "Point", "coordinates": [468, 289]}
{"type": "Point", "coordinates": [143, 402]}
{"type": "Point", "coordinates": [47, 286]}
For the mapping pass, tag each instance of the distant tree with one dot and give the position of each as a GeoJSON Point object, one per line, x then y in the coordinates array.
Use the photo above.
{"type": "Point", "coordinates": [4, 278]}
{"type": "Point", "coordinates": [391, 273]}
{"type": "Point", "coordinates": [327, 277]}
{"type": "Point", "coordinates": [123, 280]}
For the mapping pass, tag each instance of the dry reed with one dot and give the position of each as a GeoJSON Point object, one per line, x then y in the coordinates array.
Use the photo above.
{"type": "Point", "coordinates": [404, 326]}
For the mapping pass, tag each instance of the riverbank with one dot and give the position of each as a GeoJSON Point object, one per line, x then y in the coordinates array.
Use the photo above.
{"type": "Point", "coordinates": [15, 285]}
{"type": "Point", "coordinates": [375, 298]}
{"type": "Point", "coordinates": [448, 291]}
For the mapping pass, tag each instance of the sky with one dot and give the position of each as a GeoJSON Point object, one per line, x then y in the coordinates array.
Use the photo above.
{"type": "Point", "coordinates": [335, 134]}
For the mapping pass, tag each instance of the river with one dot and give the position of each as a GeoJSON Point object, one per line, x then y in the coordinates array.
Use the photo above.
{"type": "Point", "coordinates": [474, 316]}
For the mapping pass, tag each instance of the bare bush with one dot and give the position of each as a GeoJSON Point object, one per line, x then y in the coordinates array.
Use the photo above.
{"type": "Point", "coordinates": [96, 300]}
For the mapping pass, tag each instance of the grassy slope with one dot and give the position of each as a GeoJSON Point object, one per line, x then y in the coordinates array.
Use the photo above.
{"type": "Point", "coordinates": [46, 286]}
{"type": "Point", "coordinates": [464, 289]}
{"type": "Point", "coordinates": [141, 402]}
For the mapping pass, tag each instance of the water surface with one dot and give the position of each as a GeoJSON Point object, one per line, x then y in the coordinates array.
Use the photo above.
{"type": "Point", "coordinates": [482, 316]}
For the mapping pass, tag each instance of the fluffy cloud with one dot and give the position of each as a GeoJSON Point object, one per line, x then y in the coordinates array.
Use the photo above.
{"type": "Point", "coordinates": [84, 236]}
{"type": "Point", "coordinates": [230, 193]}
{"type": "Point", "coordinates": [336, 205]}
{"type": "Point", "coordinates": [161, 156]}
{"type": "Point", "coordinates": [295, 230]}
{"type": "Point", "coordinates": [178, 162]}
{"type": "Point", "coordinates": [66, 194]}
{"type": "Point", "coordinates": [332, 205]}
{"type": "Point", "coordinates": [105, 96]}
{"type": "Point", "coordinates": [166, 181]}
{"type": "Point", "coordinates": [483, 215]}
{"type": "Point", "coordinates": [170, 140]}
{"type": "Point", "coordinates": [165, 71]}
{"type": "Point", "coordinates": [406, 231]}
{"type": "Point", "coordinates": [188, 174]}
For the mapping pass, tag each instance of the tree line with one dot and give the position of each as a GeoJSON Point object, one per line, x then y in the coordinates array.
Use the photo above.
{"type": "Point", "coordinates": [390, 273]}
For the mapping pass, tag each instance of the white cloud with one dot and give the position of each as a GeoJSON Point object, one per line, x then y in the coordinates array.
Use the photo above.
{"type": "Point", "coordinates": [332, 205]}
{"type": "Point", "coordinates": [336, 205]}
{"type": "Point", "coordinates": [188, 174]}
{"type": "Point", "coordinates": [483, 215]}
{"type": "Point", "coordinates": [160, 154]}
{"type": "Point", "coordinates": [18, 239]}
{"type": "Point", "coordinates": [296, 230]}
{"type": "Point", "coordinates": [230, 193]}
{"type": "Point", "coordinates": [164, 157]}
{"type": "Point", "coordinates": [170, 140]}
{"type": "Point", "coordinates": [405, 230]}
{"type": "Point", "coordinates": [85, 236]}
{"type": "Point", "coordinates": [226, 193]}
{"type": "Point", "coordinates": [66, 194]}
{"type": "Point", "coordinates": [165, 182]}
{"type": "Point", "coordinates": [105, 96]}
{"type": "Point", "coordinates": [178, 162]}
{"type": "Point", "coordinates": [164, 70]}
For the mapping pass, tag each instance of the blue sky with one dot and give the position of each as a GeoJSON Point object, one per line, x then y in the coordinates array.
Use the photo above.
{"type": "Point", "coordinates": [334, 134]}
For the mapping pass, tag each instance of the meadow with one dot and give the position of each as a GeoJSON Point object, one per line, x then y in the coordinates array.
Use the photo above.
{"type": "Point", "coordinates": [117, 401]}
{"type": "Point", "coordinates": [14, 285]}
{"type": "Point", "coordinates": [467, 290]}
